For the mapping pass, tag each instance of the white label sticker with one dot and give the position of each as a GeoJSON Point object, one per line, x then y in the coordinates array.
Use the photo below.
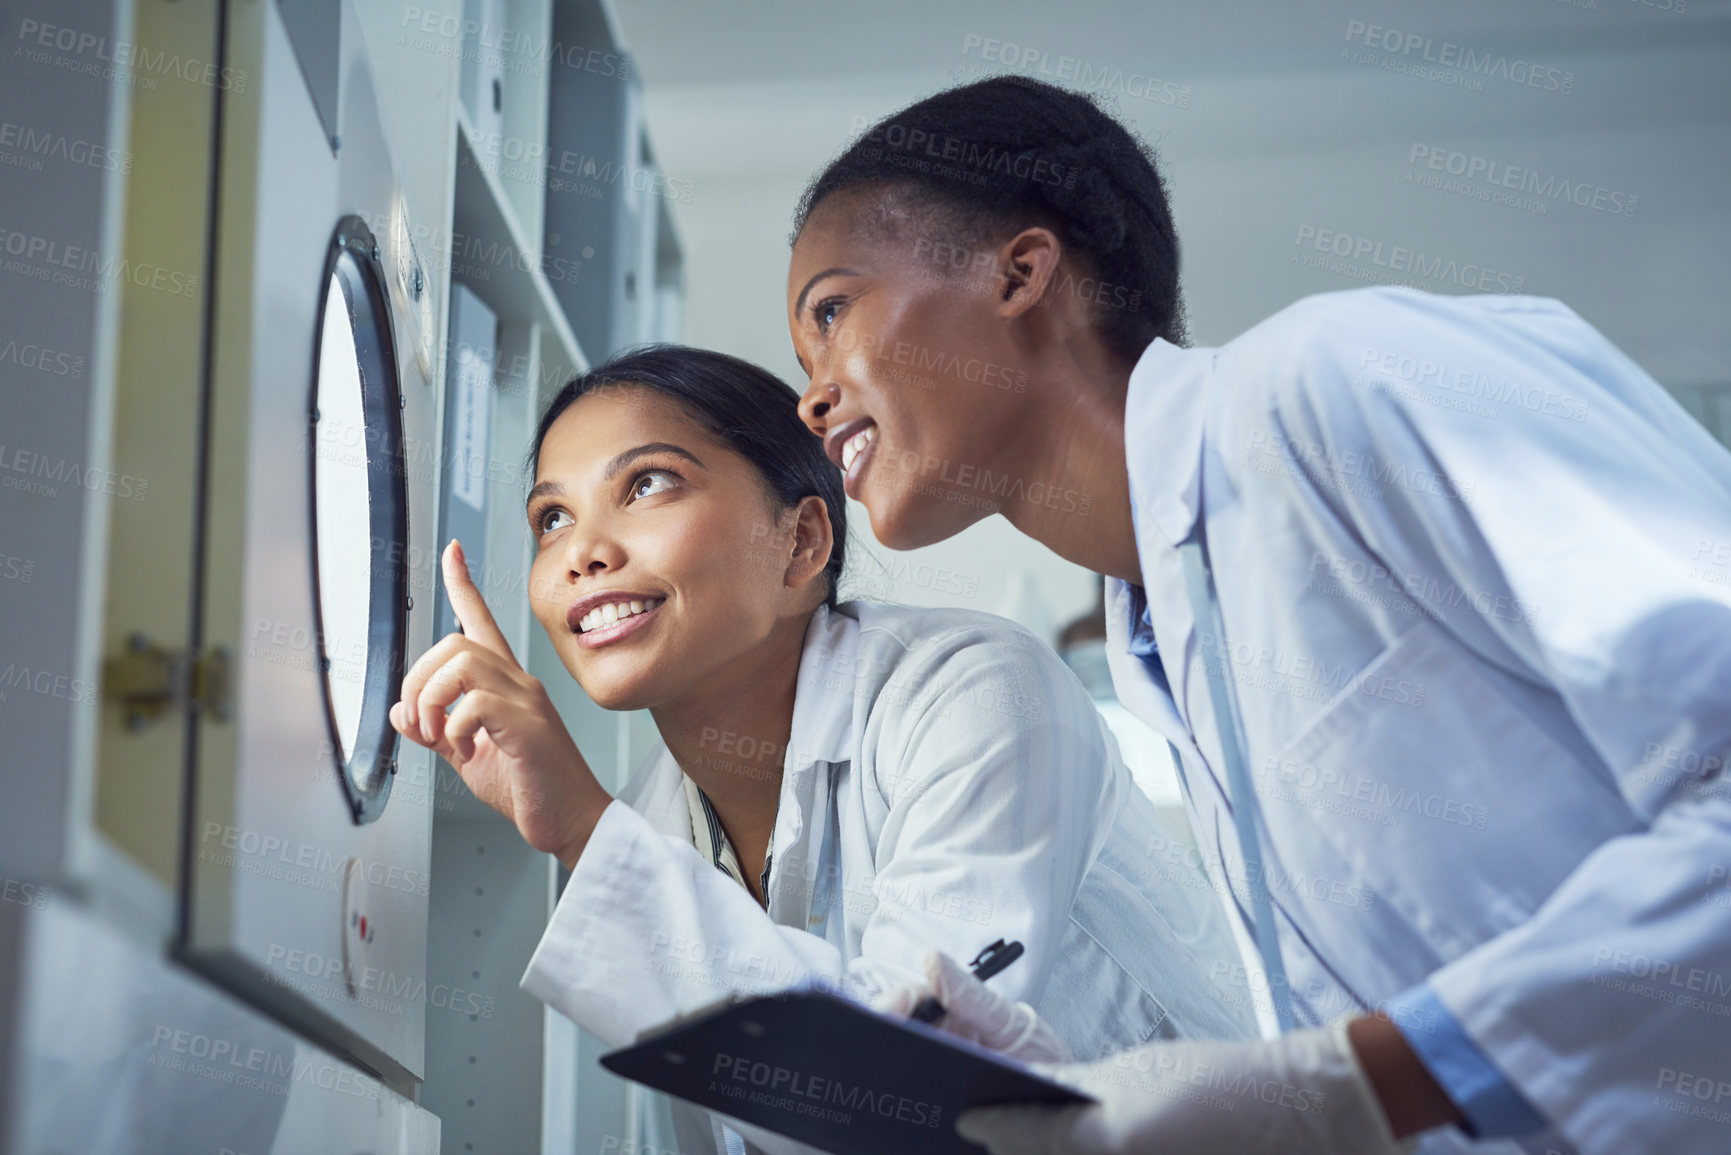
{"type": "Point", "coordinates": [469, 440]}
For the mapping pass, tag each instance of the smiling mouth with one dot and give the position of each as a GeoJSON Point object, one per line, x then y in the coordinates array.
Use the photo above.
{"type": "Point", "coordinates": [854, 453]}
{"type": "Point", "coordinates": [856, 445]}
{"type": "Point", "coordinates": [612, 613]}
{"type": "Point", "coordinates": [615, 621]}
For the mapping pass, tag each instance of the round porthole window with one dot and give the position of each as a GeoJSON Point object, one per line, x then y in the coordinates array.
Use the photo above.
{"type": "Point", "coordinates": [360, 518]}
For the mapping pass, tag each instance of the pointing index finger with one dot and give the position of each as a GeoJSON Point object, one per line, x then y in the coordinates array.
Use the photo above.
{"type": "Point", "coordinates": [473, 617]}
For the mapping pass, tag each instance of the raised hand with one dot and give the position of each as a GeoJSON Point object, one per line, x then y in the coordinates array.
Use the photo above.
{"type": "Point", "coordinates": [503, 737]}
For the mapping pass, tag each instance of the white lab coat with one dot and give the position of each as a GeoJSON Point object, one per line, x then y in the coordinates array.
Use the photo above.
{"type": "Point", "coordinates": [947, 782]}
{"type": "Point", "coordinates": [1475, 572]}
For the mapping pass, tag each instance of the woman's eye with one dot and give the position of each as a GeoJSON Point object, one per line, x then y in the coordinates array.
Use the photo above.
{"type": "Point", "coordinates": [651, 483]}
{"type": "Point", "coordinates": [824, 313]}
{"type": "Point", "coordinates": [549, 518]}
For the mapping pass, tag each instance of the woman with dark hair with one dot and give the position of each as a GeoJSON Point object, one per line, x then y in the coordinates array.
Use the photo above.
{"type": "Point", "coordinates": [1457, 649]}
{"type": "Point", "coordinates": [842, 786]}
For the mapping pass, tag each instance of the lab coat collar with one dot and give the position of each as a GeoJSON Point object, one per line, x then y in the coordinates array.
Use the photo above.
{"type": "Point", "coordinates": [1164, 414]}
{"type": "Point", "coordinates": [658, 793]}
{"type": "Point", "coordinates": [823, 717]}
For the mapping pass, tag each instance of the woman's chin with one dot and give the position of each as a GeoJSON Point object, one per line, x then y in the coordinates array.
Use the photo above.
{"type": "Point", "coordinates": [618, 693]}
{"type": "Point", "coordinates": [920, 522]}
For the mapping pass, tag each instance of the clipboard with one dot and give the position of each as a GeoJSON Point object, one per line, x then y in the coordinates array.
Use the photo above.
{"type": "Point", "coordinates": [820, 1068]}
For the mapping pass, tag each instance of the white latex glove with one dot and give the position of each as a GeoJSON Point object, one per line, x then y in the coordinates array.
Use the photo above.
{"type": "Point", "coordinates": [1301, 1094]}
{"type": "Point", "coordinates": [976, 1012]}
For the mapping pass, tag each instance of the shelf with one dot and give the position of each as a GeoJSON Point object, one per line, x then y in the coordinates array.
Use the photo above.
{"type": "Point", "coordinates": [491, 253]}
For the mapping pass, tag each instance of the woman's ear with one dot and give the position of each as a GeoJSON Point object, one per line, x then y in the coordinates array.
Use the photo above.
{"type": "Point", "coordinates": [812, 542]}
{"type": "Point", "coordinates": [1027, 266]}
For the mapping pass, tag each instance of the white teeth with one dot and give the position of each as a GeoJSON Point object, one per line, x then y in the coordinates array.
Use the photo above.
{"type": "Point", "coordinates": [613, 613]}
{"type": "Point", "coordinates": [855, 445]}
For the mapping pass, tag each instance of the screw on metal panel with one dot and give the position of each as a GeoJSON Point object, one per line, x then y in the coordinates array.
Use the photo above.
{"type": "Point", "coordinates": [317, 416]}
{"type": "Point", "coordinates": [417, 284]}
{"type": "Point", "coordinates": [411, 600]}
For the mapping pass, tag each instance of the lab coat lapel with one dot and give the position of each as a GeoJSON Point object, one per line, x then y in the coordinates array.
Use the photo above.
{"type": "Point", "coordinates": [799, 877]}
{"type": "Point", "coordinates": [822, 738]}
{"type": "Point", "coordinates": [659, 795]}
{"type": "Point", "coordinates": [1139, 693]}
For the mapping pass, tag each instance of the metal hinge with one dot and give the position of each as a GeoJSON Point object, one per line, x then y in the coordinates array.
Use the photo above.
{"type": "Point", "coordinates": [149, 680]}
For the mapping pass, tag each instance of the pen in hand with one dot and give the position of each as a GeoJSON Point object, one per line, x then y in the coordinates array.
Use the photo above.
{"type": "Point", "coordinates": [986, 964]}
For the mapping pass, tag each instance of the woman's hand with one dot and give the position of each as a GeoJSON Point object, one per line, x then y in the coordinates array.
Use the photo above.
{"type": "Point", "coordinates": [1304, 1093]}
{"type": "Point", "coordinates": [976, 1012]}
{"type": "Point", "coordinates": [504, 737]}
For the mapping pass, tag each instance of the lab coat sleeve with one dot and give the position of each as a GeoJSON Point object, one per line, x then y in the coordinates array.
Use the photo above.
{"type": "Point", "coordinates": [646, 930]}
{"type": "Point", "coordinates": [1590, 520]}
{"type": "Point", "coordinates": [994, 772]}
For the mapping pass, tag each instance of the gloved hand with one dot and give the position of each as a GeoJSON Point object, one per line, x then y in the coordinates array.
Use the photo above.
{"type": "Point", "coordinates": [977, 1013]}
{"type": "Point", "coordinates": [1301, 1094]}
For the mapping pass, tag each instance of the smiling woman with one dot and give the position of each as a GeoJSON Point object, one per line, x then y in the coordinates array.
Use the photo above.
{"type": "Point", "coordinates": [843, 786]}
{"type": "Point", "coordinates": [1225, 485]}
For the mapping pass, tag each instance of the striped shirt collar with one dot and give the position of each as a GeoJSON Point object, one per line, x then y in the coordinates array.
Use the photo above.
{"type": "Point", "coordinates": [711, 840]}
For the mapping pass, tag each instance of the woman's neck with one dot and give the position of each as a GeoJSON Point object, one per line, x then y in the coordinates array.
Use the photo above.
{"type": "Point", "coordinates": [730, 736]}
{"type": "Point", "coordinates": [1074, 438]}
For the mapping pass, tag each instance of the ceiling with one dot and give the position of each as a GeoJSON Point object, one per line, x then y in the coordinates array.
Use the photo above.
{"type": "Point", "coordinates": [738, 86]}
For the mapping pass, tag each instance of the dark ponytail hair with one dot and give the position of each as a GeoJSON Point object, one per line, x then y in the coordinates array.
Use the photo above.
{"type": "Point", "coordinates": [751, 410]}
{"type": "Point", "coordinates": [1010, 152]}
